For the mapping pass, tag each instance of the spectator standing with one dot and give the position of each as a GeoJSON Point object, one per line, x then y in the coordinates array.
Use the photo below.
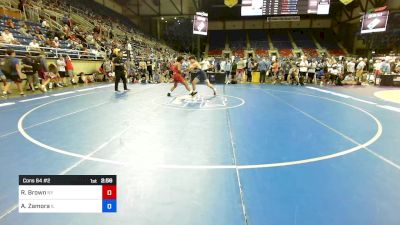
{"type": "Point", "coordinates": [360, 69]}
{"type": "Point", "coordinates": [303, 66]}
{"type": "Point", "coordinates": [351, 66]}
{"type": "Point", "coordinates": [149, 66]}
{"type": "Point", "coordinates": [61, 64]}
{"type": "Point", "coordinates": [311, 71]}
{"type": "Point", "coordinates": [43, 71]}
{"type": "Point", "coordinates": [12, 70]}
{"type": "Point", "coordinates": [275, 70]}
{"type": "Point", "coordinates": [30, 69]}
{"type": "Point", "coordinates": [129, 49]}
{"type": "Point", "coordinates": [119, 68]}
{"type": "Point", "coordinates": [241, 64]}
{"type": "Point", "coordinates": [262, 67]}
{"type": "Point", "coordinates": [228, 70]}
{"type": "Point", "coordinates": [70, 69]}
{"type": "Point", "coordinates": [249, 68]}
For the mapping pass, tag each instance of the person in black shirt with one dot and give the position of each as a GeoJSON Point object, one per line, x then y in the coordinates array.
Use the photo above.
{"type": "Point", "coordinates": [119, 69]}
{"type": "Point", "coordinates": [30, 70]}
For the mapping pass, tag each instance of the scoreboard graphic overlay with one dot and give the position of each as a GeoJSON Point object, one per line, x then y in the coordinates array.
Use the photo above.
{"type": "Point", "coordinates": [67, 193]}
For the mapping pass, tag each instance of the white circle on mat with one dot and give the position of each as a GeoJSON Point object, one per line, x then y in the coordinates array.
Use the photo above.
{"type": "Point", "coordinates": [200, 102]}
{"type": "Point", "coordinates": [358, 147]}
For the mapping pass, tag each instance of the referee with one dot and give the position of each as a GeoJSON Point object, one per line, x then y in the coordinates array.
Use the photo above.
{"type": "Point", "coordinates": [119, 69]}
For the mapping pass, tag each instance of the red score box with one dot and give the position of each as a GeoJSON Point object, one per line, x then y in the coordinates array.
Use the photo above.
{"type": "Point", "coordinates": [109, 192]}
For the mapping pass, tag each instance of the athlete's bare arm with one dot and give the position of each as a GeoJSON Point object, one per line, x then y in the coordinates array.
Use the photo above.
{"type": "Point", "coordinates": [193, 66]}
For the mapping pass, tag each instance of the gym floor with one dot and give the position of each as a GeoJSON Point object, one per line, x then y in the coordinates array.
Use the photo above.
{"type": "Point", "coordinates": [253, 155]}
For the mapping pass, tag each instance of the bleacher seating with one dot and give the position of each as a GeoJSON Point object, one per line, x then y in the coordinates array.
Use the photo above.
{"type": "Point", "coordinates": [103, 11]}
{"type": "Point", "coordinates": [280, 39]}
{"type": "Point", "coordinates": [239, 52]}
{"type": "Point", "coordinates": [302, 39]}
{"type": "Point", "coordinates": [237, 39]}
{"type": "Point", "coordinates": [311, 52]}
{"type": "Point", "coordinates": [261, 52]}
{"type": "Point", "coordinates": [215, 52]}
{"type": "Point", "coordinates": [259, 42]}
{"type": "Point", "coordinates": [217, 40]}
{"type": "Point", "coordinates": [326, 39]}
{"type": "Point", "coordinates": [24, 41]}
{"type": "Point", "coordinates": [258, 39]}
{"type": "Point", "coordinates": [285, 52]}
{"type": "Point", "coordinates": [336, 52]}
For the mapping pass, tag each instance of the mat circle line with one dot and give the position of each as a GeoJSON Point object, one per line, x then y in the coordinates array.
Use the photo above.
{"type": "Point", "coordinates": [205, 167]}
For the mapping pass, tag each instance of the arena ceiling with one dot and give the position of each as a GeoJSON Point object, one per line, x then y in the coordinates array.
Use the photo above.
{"type": "Point", "coordinates": [161, 8]}
{"type": "Point", "coordinates": [175, 8]}
{"type": "Point", "coordinates": [216, 8]}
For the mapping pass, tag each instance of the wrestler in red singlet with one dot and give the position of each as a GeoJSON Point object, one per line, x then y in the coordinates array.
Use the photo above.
{"type": "Point", "coordinates": [177, 76]}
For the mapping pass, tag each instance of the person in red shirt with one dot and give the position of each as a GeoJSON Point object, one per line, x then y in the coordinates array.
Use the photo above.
{"type": "Point", "coordinates": [275, 71]}
{"type": "Point", "coordinates": [70, 69]}
{"type": "Point", "coordinates": [177, 76]}
{"type": "Point", "coordinates": [9, 23]}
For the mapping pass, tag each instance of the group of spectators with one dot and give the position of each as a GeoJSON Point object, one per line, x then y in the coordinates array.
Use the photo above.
{"type": "Point", "coordinates": [98, 42]}
{"type": "Point", "coordinates": [146, 60]}
{"type": "Point", "coordinates": [38, 72]}
{"type": "Point", "coordinates": [325, 71]}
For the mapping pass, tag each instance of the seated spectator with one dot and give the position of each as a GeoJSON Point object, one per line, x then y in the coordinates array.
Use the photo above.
{"type": "Point", "coordinates": [39, 35]}
{"type": "Point", "coordinates": [86, 78]}
{"type": "Point", "coordinates": [90, 39]}
{"type": "Point", "coordinates": [55, 43]}
{"type": "Point", "coordinates": [24, 30]}
{"type": "Point", "coordinates": [61, 35]}
{"type": "Point", "coordinates": [45, 24]}
{"type": "Point", "coordinates": [94, 52]}
{"type": "Point", "coordinates": [349, 79]}
{"type": "Point", "coordinates": [9, 23]}
{"type": "Point", "coordinates": [66, 30]}
{"type": "Point", "coordinates": [397, 66]}
{"type": "Point", "coordinates": [97, 30]}
{"type": "Point", "coordinates": [385, 67]}
{"type": "Point", "coordinates": [293, 75]}
{"type": "Point", "coordinates": [107, 69]}
{"type": "Point", "coordinates": [75, 29]}
{"type": "Point", "coordinates": [34, 46]}
{"type": "Point", "coordinates": [8, 37]}
{"type": "Point", "coordinates": [55, 76]}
